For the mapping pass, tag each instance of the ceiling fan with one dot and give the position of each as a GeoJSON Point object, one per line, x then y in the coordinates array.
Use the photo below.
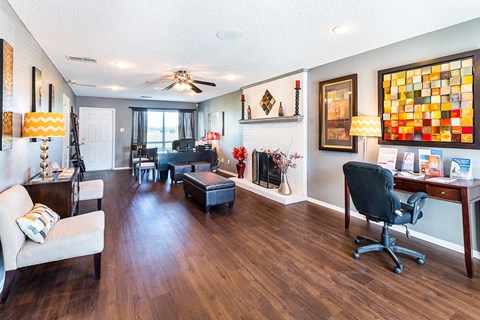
{"type": "Point", "coordinates": [183, 83]}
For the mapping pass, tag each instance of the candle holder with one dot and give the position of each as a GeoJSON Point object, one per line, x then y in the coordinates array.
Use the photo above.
{"type": "Point", "coordinates": [297, 98]}
{"type": "Point", "coordinates": [243, 108]}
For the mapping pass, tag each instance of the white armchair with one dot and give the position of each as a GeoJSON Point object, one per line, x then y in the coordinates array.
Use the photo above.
{"type": "Point", "coordinates": [69, 238]}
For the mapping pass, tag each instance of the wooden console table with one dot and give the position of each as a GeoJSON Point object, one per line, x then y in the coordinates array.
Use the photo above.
{"type": "Point", "coordinates": [465, 192]}
{"type": "Point", "coordinates": [59, 194]}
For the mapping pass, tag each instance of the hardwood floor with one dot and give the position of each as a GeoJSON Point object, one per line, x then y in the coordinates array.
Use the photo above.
{"type": "Point", "coordinates": [165, 259]}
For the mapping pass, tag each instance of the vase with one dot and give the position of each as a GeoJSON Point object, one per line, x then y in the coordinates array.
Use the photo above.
{"type": "Point", "coordinates": [240, 169]}
{"type": "Point", "coordinates": [284, 187]}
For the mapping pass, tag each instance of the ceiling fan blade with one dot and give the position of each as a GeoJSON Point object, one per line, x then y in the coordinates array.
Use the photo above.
{"type": "Point", "coordinates": [195, 88]}
{"type": "Point", "coordinates": [204, 83]}
{"type": "Point", "coordinates": [169, 87]}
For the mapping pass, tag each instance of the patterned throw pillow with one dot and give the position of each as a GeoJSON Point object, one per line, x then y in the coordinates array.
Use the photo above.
{"type": "Point", "coordinates": [38, 222]}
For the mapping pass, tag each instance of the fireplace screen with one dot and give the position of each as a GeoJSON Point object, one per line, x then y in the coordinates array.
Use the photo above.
{"type": "Point", "coordinates": [264, 171]}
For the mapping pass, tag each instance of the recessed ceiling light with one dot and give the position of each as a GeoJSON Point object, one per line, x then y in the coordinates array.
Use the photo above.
{"type": "Point", "coordinates": [231, 77]}
{"type": "Point", "coordinates": [122, 64]}
{"type": "Point", "coordinates": [146, 97]}
{"type": "Point", "coordinates": [115, 88]}
{"type": "Point", "coordinates": [230, 34]}
{"type": "Point", "coordinates": [341, 29]}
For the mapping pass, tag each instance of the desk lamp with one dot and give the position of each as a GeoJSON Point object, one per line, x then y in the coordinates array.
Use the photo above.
{"type": "Point", "coordinates": [367, 127]}
{"type": "Point", "coordinates": [43, 125]}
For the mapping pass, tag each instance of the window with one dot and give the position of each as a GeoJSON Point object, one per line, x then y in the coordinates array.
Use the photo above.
{"type": "Point", "coordinates": [162, 129]}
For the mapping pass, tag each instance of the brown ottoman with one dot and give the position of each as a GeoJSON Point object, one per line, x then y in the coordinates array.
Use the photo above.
{"type": "Point", "coordinates": [209, 189]}
{"type": "Point", "coordinates": [200, 166]}
{"type": "Point", "coordinates": [178, 169]}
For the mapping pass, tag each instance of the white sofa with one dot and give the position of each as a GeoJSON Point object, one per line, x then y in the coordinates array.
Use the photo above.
{"type": "Point", "coordinates": [69, 238]}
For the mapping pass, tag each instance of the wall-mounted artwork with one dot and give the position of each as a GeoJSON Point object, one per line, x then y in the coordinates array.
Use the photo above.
{"type": "Point", "coordinates": [431, 103]}
{"type": "Point", "coordinates": [51, 97]}
{"type": "Point", "coordinates": [215, 122]}
{"type": "Point", "coordinates": [36, 89]}
{"type": "Point", "coordinates": [338, 103]}
{"type": "Point", "coordinates": [6, 95]}
{"type": "Point", "coordinates": [267, 102]}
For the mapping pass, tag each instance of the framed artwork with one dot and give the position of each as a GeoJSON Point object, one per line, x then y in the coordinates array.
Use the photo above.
{"type": "Point", "coordinates": [338, 103]}
{"type": "Point", "coordinates": [6, 95]}
{"type": "Point", "coordinates": [432, 103]}
{"type": "Point", "coordinates": [36, 89]}
{"type": "Point", "coordinates": [215, 122]}
{"type": "Point", "coordinates": [51, 97]}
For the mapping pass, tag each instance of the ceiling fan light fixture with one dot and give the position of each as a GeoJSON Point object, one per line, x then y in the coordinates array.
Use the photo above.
{"type": "Point", "coordinates": [230, 34]}
{"type": "Point", "coordinates": [122, 64]}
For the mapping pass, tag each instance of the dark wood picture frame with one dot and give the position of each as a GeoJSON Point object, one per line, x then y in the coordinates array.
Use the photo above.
{"type": "Point", "coordinates": [6, 95]}
{"type": "Point", "coordinates": [337, 106]}
{"type": "Point", "coordinates": [36, 89]}
{"type": "Point", "coordinates": [51, 97]}
{"type": "Point", "coordinates": [475, 55]}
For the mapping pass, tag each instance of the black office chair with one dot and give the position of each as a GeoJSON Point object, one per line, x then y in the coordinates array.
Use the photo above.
{"type": "Point", "coordinates": [371, 188]}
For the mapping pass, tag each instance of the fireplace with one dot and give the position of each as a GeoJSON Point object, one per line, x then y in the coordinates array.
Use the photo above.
{"type": "Point", "coordinates": [264, 171]}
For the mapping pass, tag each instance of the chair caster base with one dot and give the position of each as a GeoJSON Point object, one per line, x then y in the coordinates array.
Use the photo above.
{"type": "Point", "coordinates": [420, 261]}
{"type": "Point", "coordinates": [357, 241]}
{"type": "Point", "coordinates": [398, 270]}
{"type": "Point", "coordinates": [356, 255]}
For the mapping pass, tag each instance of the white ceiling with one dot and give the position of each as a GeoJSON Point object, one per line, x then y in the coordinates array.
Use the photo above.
{"type": "Point", "coordinates": [158, 37]}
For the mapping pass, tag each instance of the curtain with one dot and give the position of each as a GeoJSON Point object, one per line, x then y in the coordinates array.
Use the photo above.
{"type": "Point", "coordinates": [186, 124]}
{"type": "Point", "coordinates": [139, 127]}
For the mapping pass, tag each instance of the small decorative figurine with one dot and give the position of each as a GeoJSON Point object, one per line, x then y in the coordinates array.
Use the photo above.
{"type": "Point", "coordinates": [280, 110]}
{"type": "Point", "coordinates": [249, 113]}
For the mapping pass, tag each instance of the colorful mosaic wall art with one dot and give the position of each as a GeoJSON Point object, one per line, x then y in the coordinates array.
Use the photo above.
{"type": "Point", "coordinates": [431, 103]}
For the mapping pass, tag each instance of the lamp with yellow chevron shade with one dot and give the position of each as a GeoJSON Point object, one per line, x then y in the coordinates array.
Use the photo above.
{"type": "Point", "coordinates": [367, 127]}
{"type": "Point", "coordinates": [43, 125]}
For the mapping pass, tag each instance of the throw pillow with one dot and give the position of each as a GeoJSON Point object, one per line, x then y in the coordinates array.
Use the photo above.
{"type": "Point", "coordinates": [38, 222]}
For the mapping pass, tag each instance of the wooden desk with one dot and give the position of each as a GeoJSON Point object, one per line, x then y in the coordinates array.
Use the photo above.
{"type": "Point", "coordinates": [165, 158]}
{"type": "Point", "coordinates": [465, 192]}
{"type": "Point", "coordinates": [59, 194]}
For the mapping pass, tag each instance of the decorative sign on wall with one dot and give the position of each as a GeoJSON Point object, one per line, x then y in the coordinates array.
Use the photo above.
{"type": "Point", "coordinates": [51, 97]}
{"type": "Point", "coordinates": [338, 103]}
{"type": "Point", "coordinates": [36, 89]}
{"type": "Point", "coordinates": [431, 103]}
{"type": "Point", "coordinates": [6, 95]}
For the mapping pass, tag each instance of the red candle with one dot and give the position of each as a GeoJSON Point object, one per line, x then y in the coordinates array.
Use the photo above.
{"type": "Point", "coordinates": [243, 97]}
{"type": "Point", "coordinates": [297, 84]}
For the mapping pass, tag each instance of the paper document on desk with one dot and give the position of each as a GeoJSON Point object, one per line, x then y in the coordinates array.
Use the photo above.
{"type": "Point", "coordinates": [411, 175]}
{"type": "Point", "coordinates": [441, 179]}
{"type": "Point", "coordinates": [67, 173]}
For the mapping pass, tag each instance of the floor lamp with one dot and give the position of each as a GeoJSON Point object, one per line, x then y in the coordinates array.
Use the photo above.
{"type": "Point", "coordinates": [43, 125]}
{"type": "Point", "coordinates": [367, 127]}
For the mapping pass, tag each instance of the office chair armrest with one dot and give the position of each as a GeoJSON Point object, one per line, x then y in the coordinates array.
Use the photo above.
{"type": "Point", "coordinates": [417, 200]}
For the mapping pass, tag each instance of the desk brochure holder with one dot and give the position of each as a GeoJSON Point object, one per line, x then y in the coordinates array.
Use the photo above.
{"type": "Point", "coordinates": [461, 168]}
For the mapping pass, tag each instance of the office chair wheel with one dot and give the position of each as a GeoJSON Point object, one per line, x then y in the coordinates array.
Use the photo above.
{"type": "Point", "coordinates": [420, 261]}
{"type": "Point", "coordinates": [357, 241]}
{"type": "Point", "coordinates": [356, 255]}
{"type": "Point", "coordinates": [397, 270]}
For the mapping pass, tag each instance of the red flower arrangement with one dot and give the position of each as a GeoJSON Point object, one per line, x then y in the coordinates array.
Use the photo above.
{"type": "Point", "coordinates": [239, 153]}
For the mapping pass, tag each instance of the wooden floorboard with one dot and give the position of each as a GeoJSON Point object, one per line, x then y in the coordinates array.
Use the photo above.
{"type": "Point", "coordinates": [164, 258]}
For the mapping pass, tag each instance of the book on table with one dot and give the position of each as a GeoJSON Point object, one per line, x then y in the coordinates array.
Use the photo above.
{"type": "Point", "coordinates": [387, 158]}
{"type": "Point", "coordinates": [408, 160]}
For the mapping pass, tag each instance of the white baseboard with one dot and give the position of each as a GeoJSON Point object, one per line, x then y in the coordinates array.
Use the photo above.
{"type": "Point", "coordinates": [442, 243]}
{"type": "Point", "coordinates": [122, 168]}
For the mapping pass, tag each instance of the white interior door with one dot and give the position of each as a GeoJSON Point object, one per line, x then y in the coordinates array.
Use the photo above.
{"type": "Point", "coordinates": [96, 137]}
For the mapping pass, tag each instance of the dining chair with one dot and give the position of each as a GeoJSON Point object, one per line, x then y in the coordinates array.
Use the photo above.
{"type": "Point", "coordinates": [147, 161]}
{"type": "Point", "coordinates": [134, 156]}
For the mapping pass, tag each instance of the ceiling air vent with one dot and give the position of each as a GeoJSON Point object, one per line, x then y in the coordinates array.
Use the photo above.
{"type": "Point", "coordinates": [80, 59]}
{"type": "Point", "coordinates": [146, 97]}
{"type": "Point", "coordinates": [75, 82]}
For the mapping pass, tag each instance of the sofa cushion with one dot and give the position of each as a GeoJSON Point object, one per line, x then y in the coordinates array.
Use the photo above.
{"type": "Point", "coordinates": [38, 222]}
{"type": "Point", "coordinates": [72, 237]}
{"type": "Point", "coordinates": [208, 181]}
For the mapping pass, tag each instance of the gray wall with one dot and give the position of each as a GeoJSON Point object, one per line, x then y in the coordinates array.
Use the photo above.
{"type": "Point", "coordinates": [231, 105]}
{"type": "Point", "coordinates": [325, 179]}
{"type": "Point", "coordinates": [123, 119]}
{"type": "Point", "coordinates": [22, 162]}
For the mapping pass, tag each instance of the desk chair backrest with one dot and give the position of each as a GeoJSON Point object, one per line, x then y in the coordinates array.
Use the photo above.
{"type": "Point", "coordinates": [148, 153]}
{"type": "Point", "coordinates": [371, 189]}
